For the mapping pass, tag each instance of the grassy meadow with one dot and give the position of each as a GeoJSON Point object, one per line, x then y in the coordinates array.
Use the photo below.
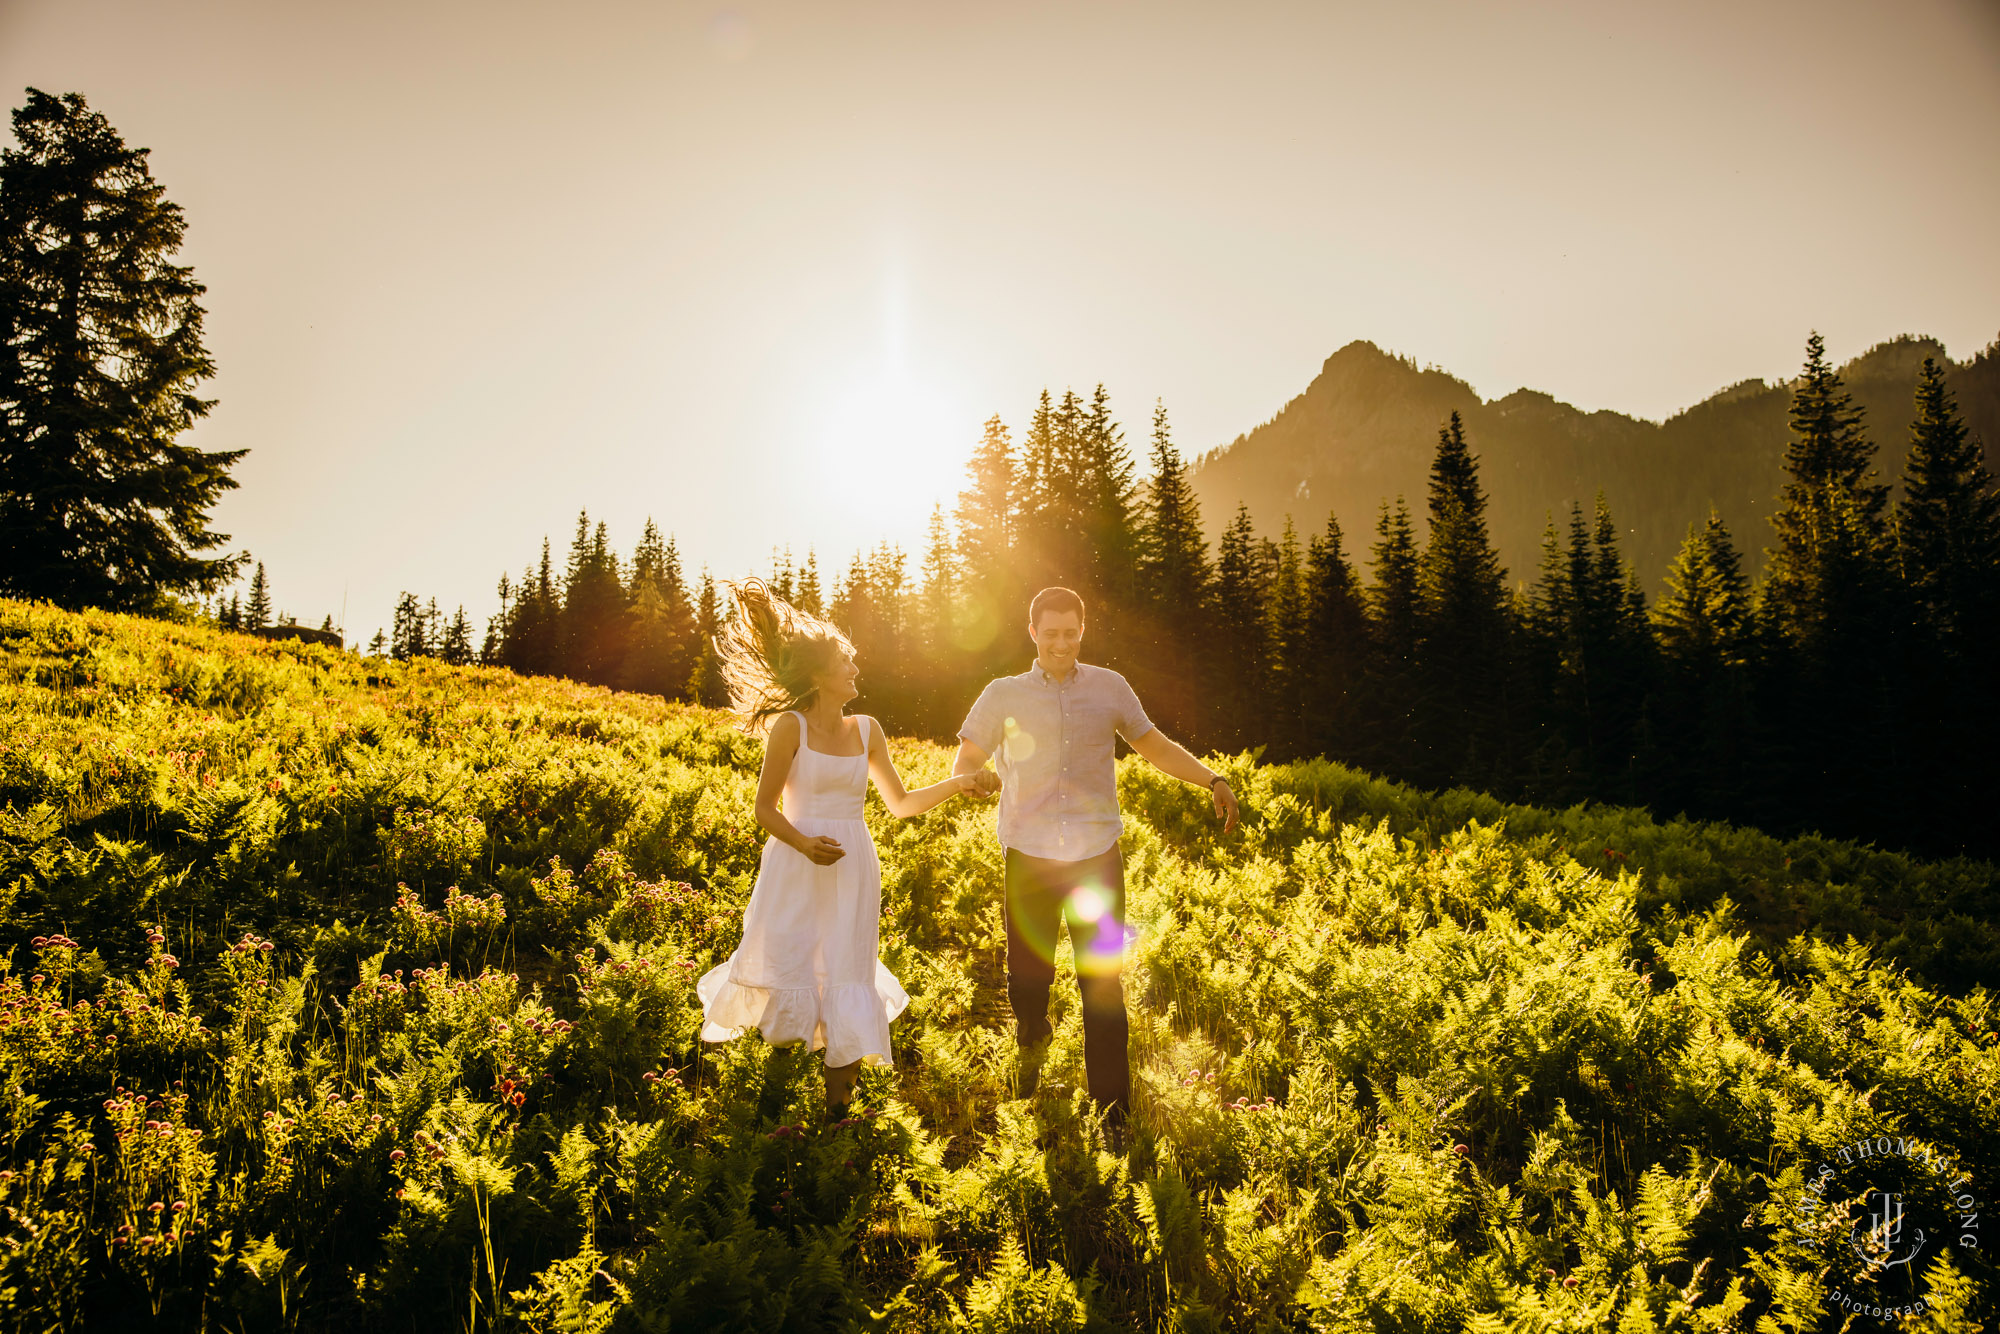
{"type": "Point", "coordinates": [341, 993]}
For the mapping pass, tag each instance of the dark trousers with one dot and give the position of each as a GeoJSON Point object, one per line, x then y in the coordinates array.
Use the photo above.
{"type": "Point", "coordinates": [1090, 896]}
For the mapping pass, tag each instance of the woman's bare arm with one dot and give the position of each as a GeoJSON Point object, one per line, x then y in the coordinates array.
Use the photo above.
{"type": "Point", "coordinates": [889, 783]}
{"type": "Point", "coordinates": [781, 747]}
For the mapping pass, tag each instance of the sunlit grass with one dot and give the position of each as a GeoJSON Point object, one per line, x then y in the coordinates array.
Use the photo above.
{"type": "Point", "coordinates": [1401, 1060]}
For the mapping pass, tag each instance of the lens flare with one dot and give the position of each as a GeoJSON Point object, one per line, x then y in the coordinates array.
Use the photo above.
{"type": "Point", "coordinates": [1088, 903]}
{"type": "Point", "coordinates": [1017, 744]}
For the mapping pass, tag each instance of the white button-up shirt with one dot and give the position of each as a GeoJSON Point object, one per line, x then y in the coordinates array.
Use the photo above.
{"type": "Point", "coordinates": [1053, 743]}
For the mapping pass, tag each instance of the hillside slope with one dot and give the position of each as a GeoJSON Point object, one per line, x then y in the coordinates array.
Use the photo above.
{"type": "Point", "coordinates": [356, 994]}
{"type": "Point", "coordinates": [1364, 430]}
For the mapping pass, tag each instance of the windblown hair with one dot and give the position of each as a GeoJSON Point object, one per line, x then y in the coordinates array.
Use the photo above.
{"type": "Point", "coordinates": [772, 653]}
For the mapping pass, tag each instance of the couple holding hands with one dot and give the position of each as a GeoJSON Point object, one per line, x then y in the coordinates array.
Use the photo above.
{"type": "Point", "coordinates": [807, 968]}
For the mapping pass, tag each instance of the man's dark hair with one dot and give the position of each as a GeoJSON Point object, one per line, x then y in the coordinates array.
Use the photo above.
{"type": "Point", "coordinates": [1056, 600]}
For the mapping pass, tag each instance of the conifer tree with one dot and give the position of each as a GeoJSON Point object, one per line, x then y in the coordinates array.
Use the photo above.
{"type": "Point", "coordinates": [232, 618]}
{"type": "Point", "coordinates": [379, 644]}
{"type": "Point", "coordinates": [1830, 599]}
{"type": "Point", "coordinates": [1947, 539]}
{"type": "Point", "coordinates": [257, 614]}
{"type": "Point", "coordinates": [660, 648]}
{"type": "Point", "coordinates": [1824, 580]}
{"type": "Point", "coordinates": [705, 684]}
{"type": "Point", "coordinates": [1463, 622]}
{"type": "Point", "coordinates": [1286, 618]}
{"type": "Point", "coordinates": [1240, 666]}
{"type": "Point", "coordinates": [410, 636]}
{"type": "Point", "coordinates": [1336, 648]}
{"type": "Point", "coordinates": [457, 646]}
{"type": "Point", "coordinates": [1948, 525]}
{"type": "Point", "coordinates": [810, 598]}
{"type": "Point", "coordinates": [100, 354]}
{"type": "Point", "coordinates": [1108, 532]}
{"type": "Point", "coordinates": [1173, 590]}
{"type": "Point", "coordinates": [1395, 614]}
{"type": "Point", "coordinates": [934, 633]}
{"type": "Point", "coordinates": [1706, 632]}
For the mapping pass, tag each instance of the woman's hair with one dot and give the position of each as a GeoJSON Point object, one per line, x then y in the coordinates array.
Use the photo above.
{"type": "Point", "coordinates": [772, 654]}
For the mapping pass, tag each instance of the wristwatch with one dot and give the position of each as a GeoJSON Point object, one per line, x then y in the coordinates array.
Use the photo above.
{"type": "Point", "coordinates": [1219, 778]}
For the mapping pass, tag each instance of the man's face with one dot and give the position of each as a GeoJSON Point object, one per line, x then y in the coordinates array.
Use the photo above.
{"type": "Point", "coordinates": [1057, 637]}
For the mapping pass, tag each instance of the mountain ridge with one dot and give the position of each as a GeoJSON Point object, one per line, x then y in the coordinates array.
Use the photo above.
{"type": "Point", "coordinates": [1363, 431]}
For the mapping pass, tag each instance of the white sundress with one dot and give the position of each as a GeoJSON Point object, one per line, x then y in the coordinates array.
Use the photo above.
{"type": "Point", "coordinates": [807, 968]}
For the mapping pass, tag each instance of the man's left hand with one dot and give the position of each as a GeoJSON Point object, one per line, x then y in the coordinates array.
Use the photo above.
{"type": "Point", "coordinates": [1225, 805]}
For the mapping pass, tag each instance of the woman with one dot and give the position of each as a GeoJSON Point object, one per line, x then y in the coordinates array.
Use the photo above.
{"type": "Point", "coordinates": [807, 969]}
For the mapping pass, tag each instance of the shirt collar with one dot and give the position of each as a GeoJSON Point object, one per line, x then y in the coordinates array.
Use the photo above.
{"type": "Point", "coordinates": [1042, 674]}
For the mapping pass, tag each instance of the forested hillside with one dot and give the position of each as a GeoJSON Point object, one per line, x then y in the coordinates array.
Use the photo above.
{"type": "Point", "coordinates": [348, 994]}
{"type": "Point", "coordinates": [1361, 431]}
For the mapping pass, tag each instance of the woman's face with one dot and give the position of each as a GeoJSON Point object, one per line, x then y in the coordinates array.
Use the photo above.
{"type": "Point", "coordinates": [836, 683]}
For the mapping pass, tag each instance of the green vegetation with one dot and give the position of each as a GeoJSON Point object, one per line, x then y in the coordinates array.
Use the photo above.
{"type": "Point", "coordinates": [359, 994]}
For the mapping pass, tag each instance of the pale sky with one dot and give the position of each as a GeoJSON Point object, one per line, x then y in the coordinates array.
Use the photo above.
{"type": "Point", "coordinates": [761, 271]}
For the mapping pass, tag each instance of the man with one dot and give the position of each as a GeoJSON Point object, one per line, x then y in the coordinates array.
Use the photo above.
{"type": "Point", "coordinates": [1050, 731]}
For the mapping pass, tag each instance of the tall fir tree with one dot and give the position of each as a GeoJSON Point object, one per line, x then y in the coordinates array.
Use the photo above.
{"type": "Point", "coordinates": [1706, 630]}
{"type": "Point", "coordinates": [1287, 617]}
{"type": "Point", "coordinates": [457, 646]}
{"type": "Point", "coordinates": [705, 684]}
{"type": "Point", "coordinates": [1335, 655]}
{"type": "Point", "coordinates": [1241, 645]}
{"type": "Point", "coordinates": [1830, 600]}
{"type": "Point", "coordinates": [1463, 648]}
{"type": "Point", "coordinates": [659, 650]}
{"type": "Point", "coordinates": [1395, 606]}
{"type": "Point", "coordinates": [1947, 540]}
{"type": "Point", "coordinates": [100, 355]}
{"type": "Point", "coordinates": [1173, 589]}
{"type": "Point", "coordinates": [1825, 579]}
{"type": "Point", "coordinates": [1947, 526]}
{"type": "Point", "coordinates": [257, 613]}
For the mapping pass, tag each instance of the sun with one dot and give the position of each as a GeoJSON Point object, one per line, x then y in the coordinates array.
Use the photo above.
{"type": "Point", "coordinates": [893, 443]}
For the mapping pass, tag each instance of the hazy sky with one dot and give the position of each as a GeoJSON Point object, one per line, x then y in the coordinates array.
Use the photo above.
{"type": "Point", "coordinates": [761, 271]}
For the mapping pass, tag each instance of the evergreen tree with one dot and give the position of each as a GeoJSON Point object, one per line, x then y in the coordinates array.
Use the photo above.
{"type": "Point", "coordinates": [258, 614]}
{"type": "Point", "coordinates": [810, 598]}
{"type": "Point", "coordinates": [531, 646]}
{"type": "Point", "coordinates": [1947, 538]}
{"type": "Point", "coordinates": [1241, 647]}
{"type": "Point", "coordinates": [1948, 525]}
{"type": "Point", "coordinates": [1336, 649]}
{"type": "Point", "coordinates": [705, 684]}
{"type": "Point", "coordinates": [1173, 591]}
{"type": "Point", "coordinates": [1706, 631]}
{"type": "Point", "coordinates": [379, 644]}
{"type": "Point", "coordinates": [232, 617]}
{"type": "Point", "coordinates": [100, 354]}
{"type": "Point", "coordinates": [1109, 533]}
{"type": "Point", "coordinates": [660, 651]}
{"type": "Point", "coordinates": [986, 508]}
{"type": "Point", "coordinates": [1823, 581]}
{"type": "Point", "coordinates": [934, 635]}
{"type": "Point", "coordinates": [1395, 614]}
{"type": "Point", "coordinates": [1830, 600]}
{"type": "Point", "coordinates": [1287, 617]}
{"type": "Point", "coordinates": [410, 636]}
{"type": "Point", "coordinates": [457, 646]}
{"type": "Point", "coordinates": [592, 630]}
{"type": "Point", "coordinates": [1463, 623]}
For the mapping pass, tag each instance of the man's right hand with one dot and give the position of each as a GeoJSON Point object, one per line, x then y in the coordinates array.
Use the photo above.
{"type": "Point", "coordinates": [986, 783]}
{"type": "Point", "coordinates": [823, 851]}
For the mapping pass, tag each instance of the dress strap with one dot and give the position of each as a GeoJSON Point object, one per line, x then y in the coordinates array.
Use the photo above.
{"type": "Point", "coordinates": [861, 721]}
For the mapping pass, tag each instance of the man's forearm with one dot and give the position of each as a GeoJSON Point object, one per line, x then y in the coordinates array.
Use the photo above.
{"type": "Point", "coordinates": [1171, 758]}
{"type": "Point", "coordinates": [970, 759]}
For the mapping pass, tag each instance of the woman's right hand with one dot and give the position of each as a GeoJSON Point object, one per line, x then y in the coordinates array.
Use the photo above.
{"type": "Point", "coordinates": [822, 851]}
